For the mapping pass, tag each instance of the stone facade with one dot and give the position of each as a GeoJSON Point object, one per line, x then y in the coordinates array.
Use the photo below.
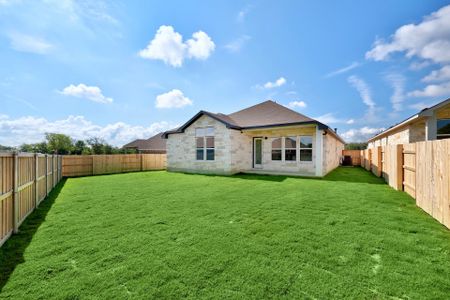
{"type": "Point", "coordinates": [411, 133]}
{"type": "Point", "coordinates": [234, 150]}
{"type": "Point", "coordinates": [181, 149]}
{"type": "Point", "coordinates": [331, 146]}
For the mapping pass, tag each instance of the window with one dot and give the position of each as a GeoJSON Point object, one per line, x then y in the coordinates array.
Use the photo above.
{"type": "Point", "coordinates": [276, 149]}
{"type": "Point", "coordinates": [306, 148]}
{"type": "Point", "coordinates": [290, 148]}
{"type": "Point", "coordinates": [443, 129]}
{"type": "Point", "coordinates": [204, 140]}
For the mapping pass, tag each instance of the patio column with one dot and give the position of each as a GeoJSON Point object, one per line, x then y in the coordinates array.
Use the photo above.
{"type": "Point", "coordinates": [319, 152]}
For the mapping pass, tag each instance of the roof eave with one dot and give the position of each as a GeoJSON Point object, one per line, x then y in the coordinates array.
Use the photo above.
{"type": "Point", "coordinates": [313, 122]}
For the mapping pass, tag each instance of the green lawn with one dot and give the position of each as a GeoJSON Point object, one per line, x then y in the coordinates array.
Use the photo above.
{"type": "Point", "coordinates": [159, 235]}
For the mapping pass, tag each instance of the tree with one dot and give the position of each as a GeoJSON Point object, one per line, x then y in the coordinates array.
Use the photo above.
{"type": "Point", "coordinates": [97, 145]}
{"type": "Point", "coordinates": [80, 147]}
{"type": "Point", "coordinates": [7, 148]}
{"type": "Point", "coordinates": [356, 146]}
{"type": "Point", "coordinates": [59, 143]}
{"type": "Point", "coordinates": [26, 148]}
{"type": "Point", "coordinates": [41, 147]}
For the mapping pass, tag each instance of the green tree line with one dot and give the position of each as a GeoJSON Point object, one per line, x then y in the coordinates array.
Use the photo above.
{"type": "Point", "coordinates": [57, 143]}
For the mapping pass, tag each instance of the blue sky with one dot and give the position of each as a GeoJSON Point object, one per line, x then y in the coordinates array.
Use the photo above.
{"type": "Point", "coordinates": [122, 70]}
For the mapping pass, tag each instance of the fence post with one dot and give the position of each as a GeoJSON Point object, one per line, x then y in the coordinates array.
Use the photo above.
{"type": "Point", "coordinates": [16, 193]}
{"type": "Point", "coordinates": [379, 162]}
{"type": "Point", "coordinates": [46, 174]}
{"type": "Point", "coordinates": [36, 176]}
{"type": "Point", "coordinates": [53, 170]}
{"type": "Point", "coordinates": [399, 167]}
{"type": "Point", "coordinates": [142, 162]}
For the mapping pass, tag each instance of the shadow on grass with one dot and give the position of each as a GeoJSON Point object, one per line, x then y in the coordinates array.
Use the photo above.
{"type": "Point", "coordinates": [11, 253]}
{"type": "Point", "coordinates": [345, 174]}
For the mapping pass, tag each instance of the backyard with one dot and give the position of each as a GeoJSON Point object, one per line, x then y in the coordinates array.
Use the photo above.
{"type": "Point", "coordinates": [171, 235]}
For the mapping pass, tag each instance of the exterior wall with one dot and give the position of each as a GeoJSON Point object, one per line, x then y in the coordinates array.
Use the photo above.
{"type": "Point", "coordinates": [234, 150]}
{"type": "Point", "coordinates": [400, 136]}
{"type": "Point", "coordinates": [412, 133]}
{"type": "Point", "coordinates": [332, 152]}
{"type": "Point", "coordinates": [417, 132]}
{"type": "Point", "coordinates": [181, 149]}
{"type": "Point", "coordinates": [242, 151]}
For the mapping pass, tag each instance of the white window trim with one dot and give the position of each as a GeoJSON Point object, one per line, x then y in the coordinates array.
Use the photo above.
{"type": "Point", "coordinates": [296, 149]}
{"type": "Point", "coordinates": [282, 151]}
{"type": "Point", "coordinates": [300, 148]}
{"type": "Point", "coordinates": [204, 144]}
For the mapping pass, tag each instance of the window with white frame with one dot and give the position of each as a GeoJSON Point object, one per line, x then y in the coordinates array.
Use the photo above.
{"type": "Point", "coordinates": [290, 148]}
{"type": "Point", "coordinates": [276, 149]}
{"type": "Point", "coordinates": [443, 129]}
{"type": "Point", "coordinates": [306, 145]}
{"type": "Point", "coordinates": [204, 140]}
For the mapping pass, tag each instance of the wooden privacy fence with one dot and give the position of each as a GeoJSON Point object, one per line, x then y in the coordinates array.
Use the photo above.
{"type": "Point", "coordinates": [355, 155]}
{"type": "Point", "coordinates": [84, 165]}
{"type": "Point", "coordinates": [25, 180]}
{"type": "Point", "coordinates": [420, 169]}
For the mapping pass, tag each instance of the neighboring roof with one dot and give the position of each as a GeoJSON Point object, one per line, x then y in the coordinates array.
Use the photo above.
{"type": "Point", "coordinates": [156, 142]}
{"type": "Point", "coordinates": [262, 115]}
{"type": "Point", "coordinates": [426, 112]}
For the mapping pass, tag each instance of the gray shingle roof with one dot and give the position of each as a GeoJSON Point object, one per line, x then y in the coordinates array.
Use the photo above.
{"type": "Point", "coordinates": [156, 142]}
{"type": "Point", "coordinates": [264, 114]}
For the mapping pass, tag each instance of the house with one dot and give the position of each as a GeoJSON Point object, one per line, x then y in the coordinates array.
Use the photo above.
{"type": "Point", "coordinates": [155, 144]}
{"type": "Point", "coordinates": [429, 124]}
{"type": "Point", "coordinates": [265, 138]}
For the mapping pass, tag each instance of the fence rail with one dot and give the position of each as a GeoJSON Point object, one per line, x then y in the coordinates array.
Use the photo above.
{"type": "Point", "coordinates": [85, 165]}
{"type": "Point", "coordinates": [25, 180]}
{"type": "Point", "coordinates": [420, 169]}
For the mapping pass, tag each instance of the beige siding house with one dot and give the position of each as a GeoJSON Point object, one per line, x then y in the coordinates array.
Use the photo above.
{"type": "Point", "coordinates": [267, 138]}
{"type": "Point", "coordinates": [429, 124]}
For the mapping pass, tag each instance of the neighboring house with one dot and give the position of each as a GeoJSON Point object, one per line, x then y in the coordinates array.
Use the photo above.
{"type": "Point", "coordinates": [155, 144]}
{"type": "Point", "coordinates": [266, 138]}
{"type": "Point", "coordinates": [429, 124]}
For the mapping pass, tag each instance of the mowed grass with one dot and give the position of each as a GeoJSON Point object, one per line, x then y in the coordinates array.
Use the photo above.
{"type": "Point", "coordinates": [159, 235]}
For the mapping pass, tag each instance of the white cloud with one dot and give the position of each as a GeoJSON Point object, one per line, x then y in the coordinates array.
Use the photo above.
{"type": "Point", "coordinates": [172, 99]}
{"type": "Point", "coordinates": [419, 106]}
{"type": "Point", "coordinates": [200, 46]}
{"type": "Point", "coordinates": [363, 90]}
{"type": "Point", "coordinates": [330, 118]}
{"type": "Point", "coordinates": [237, 44]}
{"type": "Point", "coordinates": [416, 66]}
{"type": "Point", "coordinates": [432, 90]}
{"type": "Point", "coordinates": [277, 83]}
{"type": "Point", "coordinates": [168, 46]}
{"type": "Point", "coordinates": [27, 43]}
{"type": "Point", "coordinates": [397, 81]}
{"type": "Point", "coordinates": [438, 75]}
{"type": "Point", "coordinates": [243, 13]}
{"type": "Point", "coordinates": [360, 134]}
{"type": "Point", "coordinates": [92, 93]}
{"type": "Point", "coordinates": [366, 95]}
{"type": "Point", "coordinates": [343, 70]}
{"type": "Point", "coordinates": [31, 129]}
{"type": "Point", "coordinates": [430, 39]}
{"type": "Point", "coordinates": [299, 104]}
